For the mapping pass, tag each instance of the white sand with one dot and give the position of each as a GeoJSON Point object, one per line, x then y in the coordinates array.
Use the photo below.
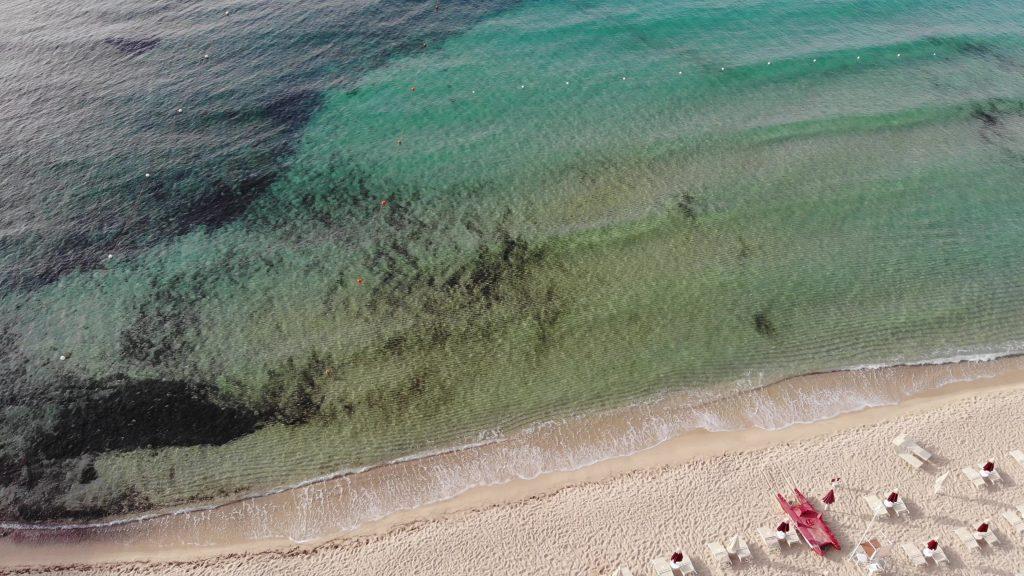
{"type": "Point", "coordinates": [600, 520]}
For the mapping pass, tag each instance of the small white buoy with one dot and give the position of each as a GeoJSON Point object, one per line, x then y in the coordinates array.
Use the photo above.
{"type": "Point", "coordinates": [814, 59]}
{"type": "Point", "coordinates": [62, 357]}
{"type": "Point", "coordinates": [858, 57]}
{"type": "Point", "coordinates": [899, 54]}
{"type": "Point", "coordinates": [205, 56]}
{"type": "Point", "coordinates": [179, 110]}
{"type": "Point", "coordinates": [147, 174]}
{"type": "Point", "coordinates": [566, 82]}
{"type": "Point", "coordinates": [769, 62]}
{"type": "Point", "coordinates": [680, 72]}
{"type": "Point", "coordinates": [933, 53]}
{"type": "Point", "coordinates": [473, 91]}
{"type": "Point", "coordinates": [623, 77]}
{"type": "Point", "coordinates": [226, 12]}
{"type": "Point", "coordinates": [723, 68]}
{"type": "Point", "coordinates": [109, 256]}
{"type": "Point", "coordinates": [521, 86]}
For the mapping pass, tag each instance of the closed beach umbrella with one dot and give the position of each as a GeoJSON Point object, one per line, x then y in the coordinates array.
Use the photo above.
{"type": "Point", "coordinates": [829, 498]}
{"type": "Point", "coordinates": [932, 545]}
{"type": "Point", "coordinates": [677, 557]}
{"type": "Point", "coordinates": [783, 527]}
{"type": "Point", "coordinates": [894, 497]}
{"type": "Point", "coordinates": [989, 466]}
{"type": "Point", "coordinates": [983, 527]}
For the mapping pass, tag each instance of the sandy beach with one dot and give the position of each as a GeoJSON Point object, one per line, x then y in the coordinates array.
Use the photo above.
{"type": "Point", "coordinates": [695, 489]}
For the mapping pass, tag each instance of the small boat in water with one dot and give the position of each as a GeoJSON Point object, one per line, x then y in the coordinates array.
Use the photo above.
{"type": "Point", "coordinates": [809, 523]}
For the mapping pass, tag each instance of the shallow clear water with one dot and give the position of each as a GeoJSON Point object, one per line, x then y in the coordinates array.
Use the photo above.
{"type": "Point", "coordinates": [354, 246]}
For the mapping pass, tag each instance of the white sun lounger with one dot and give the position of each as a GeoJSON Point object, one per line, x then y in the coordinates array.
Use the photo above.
{"type": "Point", "coordinates": [967, 539]}
{"type": "Point", "coordinates": [900, 507]}
{"type": "Point", "coordinates": [1018, 456]}
{"type": "Point", "coordinates": [719, 553]}
{"type": "Point", "coordinates": [909, 458]}
{"type": "Point", "coordinates": [792, 537]}
{"type": "Point", "coordinates": [1015, 522]}
{"type": "Point", "coordinates": [915, 555]}
{"type": "Point", "coordinates": [909, 445]}
{"type": "Point", "coordinates": [876, 505]}
{"type": "Point", "coordinates": [737, 547]}
{"type": "Point", "coordinates": [974, 477]}
{"type": "Point", "coordinates": [623, 571]}
{"type": "Point", "coordinates": [660, 567]}
{"type": "Point", "coordinates": [686, 565]}
{"type": "Point", "coordinates": [989, 537]}
{"type": "Point", "coordinates": [939, 556]}
{"type": "Point", "coordinates": [768, 537]}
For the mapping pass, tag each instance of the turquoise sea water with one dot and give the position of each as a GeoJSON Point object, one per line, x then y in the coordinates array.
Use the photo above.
{"type": "Point", "coordinates": [479, 216]}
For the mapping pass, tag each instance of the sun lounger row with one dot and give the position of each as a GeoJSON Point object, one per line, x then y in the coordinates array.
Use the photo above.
{"type": "Point", "coordinates": [920, 557]}
{"type": "Point", "coordinates": [972, 539]}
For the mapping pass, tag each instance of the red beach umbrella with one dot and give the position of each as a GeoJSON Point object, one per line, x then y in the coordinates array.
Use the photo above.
{"type": "Point", "coordinates": [677, 556]}
{"type": "Point", "coordinates": [783, 527]}
{"type": "Point", "coordinates": [932, 545]}
{"type": "Point", "coordinates": [983, 527]}
{"type": "Point", "coordinates": [830, 498]}
{"type": "Point", "coordinates": [893, 497]}
{"type": "Point", "coordinates": [989, 466]}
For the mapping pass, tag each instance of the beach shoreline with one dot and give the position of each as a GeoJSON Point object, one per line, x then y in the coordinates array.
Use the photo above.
{"type": "Point", "coordinates": [692, 447]}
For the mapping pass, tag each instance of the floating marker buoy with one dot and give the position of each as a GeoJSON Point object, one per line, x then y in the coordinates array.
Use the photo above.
{"type": "Point", "coordinates": [898, 54]}
{"type": "Point", "coordinates": [858, 57]}
{"type": "Point", "coordinates": [521, 86]}
{"type": "Point", "coordinates": [723, 69]}
{"type": "Point", "coordinates": [147, 174]}
{"type": "Point", "coordinates": [359, 280]}
{"type": "Point", "coordinates": [62, 357]}
{"type": "Point", "coordinates": [566, 82]}
{"type": "Point", "coordinates": [769, 62]}
{"type": "Point", "coordinates": [384, 202]}
{"type": "Point", "coordinates": [623, 77]}
{"type": "Point", "coordinates": [814, 60]}
{"type": "Point", "coordinates": [680, 71]}
{"type": "Point", "coordinates": [473, 91]}
{"type": "Point", "coordinates": [179, 110]}
{"type": "Point", "coordinates": [413, 89]}
{"type": "Point", "coordinates": [109, 256]}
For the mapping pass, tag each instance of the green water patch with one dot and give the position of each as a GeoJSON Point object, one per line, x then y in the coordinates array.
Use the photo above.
{"type": "Point", "coordinates": [567, 208]}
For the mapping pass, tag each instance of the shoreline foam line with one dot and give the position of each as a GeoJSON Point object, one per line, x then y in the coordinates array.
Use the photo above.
{"type": "Point", "coordinates": [657, 433]}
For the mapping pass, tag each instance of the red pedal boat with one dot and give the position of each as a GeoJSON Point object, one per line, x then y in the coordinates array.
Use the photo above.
{"type": "Point", "coordinates": [809, 523]}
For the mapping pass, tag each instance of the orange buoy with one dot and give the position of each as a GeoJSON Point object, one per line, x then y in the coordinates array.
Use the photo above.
{"type": "Point", "coordinates": [359, 280]}
{"type": "Point", "coordinates": [384, 202]}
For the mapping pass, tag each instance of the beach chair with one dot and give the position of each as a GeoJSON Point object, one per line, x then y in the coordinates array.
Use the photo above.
{"type": "Point", "coordinates": [900, 507]}
{"type": "Point", "coordinates": [907, 445]}
{"type": "Point", "coordinates": [792, 537]}
{"type": "Point", "coordinates": [738, 547]}
{"type": "Point", "coordinates": [939, 556]}
{"type": "Point", "coordinates": [974, 477]}
{"type": "Point", "coordinates": [915, 555]}
{"type": "Point", "coordinates": [989, 537]}
{"type": "Point", "coordinates": [768, 537]}
{"type": "Point", "coordinates": [660, 567]}
{"type": "Point", "coordinates": [1015, 522]}
{"type": "Point", "coordinates": [967, 539]}
{"type": "Point", "coordinates": [876, 505]}
{"type": "Point", "coordinates": [909, 458]}
{"type": "Point", "coordinates": [1018, 456]}
{"type": "Point", "coordinates": [719, 553]}
{"type": "Point", "coordinates": [1020, 510]}
{"type": "Point", "coordinates": [623, 571]}
{"type": "Point", "coordinates": [686, 566]}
